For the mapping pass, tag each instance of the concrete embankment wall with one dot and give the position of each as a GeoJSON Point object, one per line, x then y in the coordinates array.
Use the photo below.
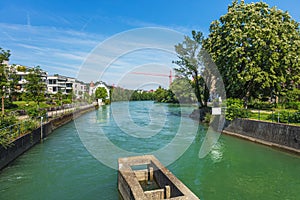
{"type": "Point", "coordinates": [283, 136]}
{"type": "Point", "coordinates": [25, 142]}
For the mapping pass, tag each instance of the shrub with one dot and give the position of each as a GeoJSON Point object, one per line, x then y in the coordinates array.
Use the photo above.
{"type": "Point", "coordinates": [207, 118]}
{"type": "Point", "coordinates": [32, 112]}
{"type": "Point", "coordinates": [263, 105]}
{"type": "Point", "coordinates": [6, 121]}
{"type": "Point", "coordinates": [235, 109]}
{"type": "Point", "coordinates": [293, 105]}
{"type": "Point", "coordinates": [296, 117]}
{"type": "Point", "coordinates": [286, 117]}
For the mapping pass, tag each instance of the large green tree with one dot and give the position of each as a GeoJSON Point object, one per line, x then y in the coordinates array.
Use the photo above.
{"type": "Point", "coordinates": [256, 49]}
{"type": "Point", "coordinates": [183, 91]}
{"type": "Point", "coordinates": [101, 93]}
{"type": "Point", "coordinates": [4, 79]}
{"type": "Point", "coordinates": [191, 66]}
{"type": "Point", "coordinates": [35, 87]}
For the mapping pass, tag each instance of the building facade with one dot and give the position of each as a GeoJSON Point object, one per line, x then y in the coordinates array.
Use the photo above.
{"type": "Point", "coordinates": [66, 85]}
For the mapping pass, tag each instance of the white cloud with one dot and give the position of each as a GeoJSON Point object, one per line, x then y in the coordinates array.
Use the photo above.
{"type": "Point", "coordinates": [88, 56]}
{"type": "Point", "coordinates": [49, 47]}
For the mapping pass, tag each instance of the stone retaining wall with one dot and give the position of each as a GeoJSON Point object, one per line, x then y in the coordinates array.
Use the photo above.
{"type": "Point", "coordinates": [272, 134]}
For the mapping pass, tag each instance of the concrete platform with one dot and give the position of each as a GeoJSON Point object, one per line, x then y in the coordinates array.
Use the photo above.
{"type": "Point", "coordinates": [145, 178]}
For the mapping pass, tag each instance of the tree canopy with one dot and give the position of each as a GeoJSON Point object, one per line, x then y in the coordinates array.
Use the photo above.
{"type": "Point", "coordinates": [191, 66]}
{"type": "Point", "coordinates": [35, 88]}
{"type": "Point", "coordinates": [183, 91]}
{"type": "Point", "coordinates": [101, 93]}
{"type": "Point", "coordinates": [4, 79]}
{"type": "Point", "coordinates": [256, 49]}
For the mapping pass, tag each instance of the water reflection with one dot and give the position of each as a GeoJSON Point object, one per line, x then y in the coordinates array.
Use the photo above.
{"type": "Point", "coordinates": [103, 115]}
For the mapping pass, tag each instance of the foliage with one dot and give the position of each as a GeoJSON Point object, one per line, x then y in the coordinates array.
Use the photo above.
{"type": "Point", "coordinates": [5, 136]}
{"type": "Point", "coordinates": [257, 104]}
{"type": "Point", "coordinates": [234, 109]}
{"type": "Point", "coordinates": [293, 95]}
{"type": "Point", "coordinates": [190, 65]}
{"type": "Point", "coordinates": [4, 78]}
{"type": "Point", "coordinates": [207, 118]}
{"type": "Point", "coordinates": [296, 117]}
{"type": "Point", "coordinates": [164, 96]}
{"type": "Point", "coordinates": [160, 95]}
{"type": "Point", "coordinates": [140, 95]}
{"type": "Point", "coordinates": [120, 94]}
{"type": "Point", "coordinates": [35, 88]}
{"type": "Point", "coordinates": [183, 91]}
{"type": "Point", "coordinates": [292, 105]}
{"type": "Point", "coordinates": [67, 101]}
{"type": "Point", "coordinates": [32, 112]}
{"type": "Point", "coordinates": [101, 93]}
{"type": "Point", "coordinates": [256, 49]}
{"type": "Point", "coordinates": [285, 116]}
{"type": "Point", "coordinates": [9, 133]}
{"type": "Point", "coordinates": [7, 121]}
{"type": "Point", "coordinates": [58, 98]}
{"type": "Point", "coordinates": [88, 98]}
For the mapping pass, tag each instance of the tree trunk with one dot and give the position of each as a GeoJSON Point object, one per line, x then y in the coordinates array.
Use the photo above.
{"type": "Point", "coordinates": [197, 91]}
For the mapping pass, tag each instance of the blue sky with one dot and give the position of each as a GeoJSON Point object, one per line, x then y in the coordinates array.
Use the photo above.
{"type": "Point", "coordinates": [61, 36]}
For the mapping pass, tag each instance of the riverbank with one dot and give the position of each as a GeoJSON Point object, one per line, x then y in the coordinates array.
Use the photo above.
{"type": "Point", "coordinates": [282, 136]}
{"type": "Point", "coordinates": [25, 142]}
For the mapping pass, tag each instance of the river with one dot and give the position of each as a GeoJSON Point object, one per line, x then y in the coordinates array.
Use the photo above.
{"type": "Point", "coordinates": [65, 166]}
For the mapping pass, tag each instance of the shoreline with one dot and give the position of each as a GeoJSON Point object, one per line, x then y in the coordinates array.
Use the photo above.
{"type": "Point", "coordinates": [25, 142]}
{"type": "Point", "coordinates": [283, 137]}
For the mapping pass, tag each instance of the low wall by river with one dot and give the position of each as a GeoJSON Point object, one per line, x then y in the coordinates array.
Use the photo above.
{"type": "Point", "coordinates": [273, 134]}
{"type": "Point", "coordinates": [25, 142]}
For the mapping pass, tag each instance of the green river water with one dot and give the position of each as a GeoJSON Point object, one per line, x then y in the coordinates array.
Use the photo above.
{"type": "Point", "coordinates": [62, 168]}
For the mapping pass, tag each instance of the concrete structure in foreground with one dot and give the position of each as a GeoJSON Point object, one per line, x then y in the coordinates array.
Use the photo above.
{"type": "Point", "coordinates": [145, 178]}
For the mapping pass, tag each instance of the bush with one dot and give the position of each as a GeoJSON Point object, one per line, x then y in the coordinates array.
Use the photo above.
{"type": "Point", "coordinates": [235, 109]}
{"type": "Point", "coordinates": [262, 105]}
{"type": "Point", "coordinates": [286, 117]}
{"type": "Point", "coordinates": [35, 112]}
{"type": "Point", "coordinates": [293, 105]}
{"type": "Point", "coordinates": [67, 101]}
{"type": "Point", "coordinates": [7, 121]}
{"type": "Point", "coordinates": [296, 117]}
{"type": "Point", "coordinates": [207, 118]}
{"type": "Point", "coordinates": [32, 112]}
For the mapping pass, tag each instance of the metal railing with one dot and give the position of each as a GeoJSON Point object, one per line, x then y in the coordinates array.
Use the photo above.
{"type": "Point", "coordinates": [283, 116]}
{"type": "Point", "coordinates": [12, 132]}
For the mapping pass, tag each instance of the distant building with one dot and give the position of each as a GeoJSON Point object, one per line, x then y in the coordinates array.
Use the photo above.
{"type": "Point", "coordinates": [56, 83]}
{"type": "Point", "coordinates": [66, 85]}
{"type": "Point", "coordinates": [79, 89]}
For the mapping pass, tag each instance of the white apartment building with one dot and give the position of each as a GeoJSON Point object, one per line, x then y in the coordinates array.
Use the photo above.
{"type": "Point", "coordinates": [66, 85]}
{"type": "Point", "coordinates": [79, 88]}
{"type": "Point", "coordinates": [56, 83]}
